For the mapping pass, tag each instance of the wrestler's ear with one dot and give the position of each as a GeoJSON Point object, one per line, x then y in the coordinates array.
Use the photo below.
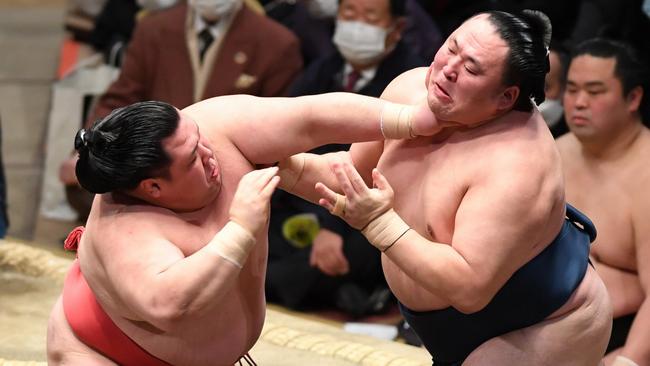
{"type": "Point", "coordinates": [507, 98]}
{"type": "Point", "coordinates": [633, 99]}
{"type": "Point", "coordinates": [149, 187]}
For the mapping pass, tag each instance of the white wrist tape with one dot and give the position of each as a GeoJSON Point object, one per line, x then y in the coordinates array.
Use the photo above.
{"type": "Point", "coordinates": [385, 230]}
{"type": "Point", "coordinates": [233, 243]}
{"type": "Point", "coordinates": [395, 121]}
{"type": "Point", "coordinates": [339, 205]}
{"type": "Point", "coordinates": [623, 361]}
{"type": "Point", "coordinates": [290, 171]}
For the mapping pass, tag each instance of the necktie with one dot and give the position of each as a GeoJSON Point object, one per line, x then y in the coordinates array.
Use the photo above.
{"type": "Point", "coordinates": [353, 77]}
{"type": "Point", "coordinates": [205, 40]}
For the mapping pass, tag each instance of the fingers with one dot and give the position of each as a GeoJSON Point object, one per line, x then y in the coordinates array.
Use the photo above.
{"type": "Point", "coordinates": [265, 175]}
{"type": "Point", "coordinates": [259, 180]}
{"type": "Point", "coordinates": [329, 196]}
{"type": "Point", "coordinates": [268, 189]}
{"type": "Point", "coordinates": [379, 181]}
{"type": "Point", "coordinates": [343, 179]}
{"type": "Point", "coordinates": [358, 184]}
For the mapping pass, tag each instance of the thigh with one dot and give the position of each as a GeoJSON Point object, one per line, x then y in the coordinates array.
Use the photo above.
{"type": "Point", "coordinates": [63, 347]}
{"type": "Point", "coordinates": [575, 335]}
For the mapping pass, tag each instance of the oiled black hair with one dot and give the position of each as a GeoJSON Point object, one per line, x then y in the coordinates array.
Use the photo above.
{"type": "Point", "coordinates": [528, 35]}
{"type": "Point", "coordinates": [125, 147]}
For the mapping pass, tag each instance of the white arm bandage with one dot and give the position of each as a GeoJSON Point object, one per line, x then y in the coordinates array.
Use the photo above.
{"type": "Point", "coordinates": [395, 121]}
{"type": "Point", "coordinates": [290, 171]}
{"type": "Point", "coordinates": [233, 243]}
{"type": "Point", "coordinates": [623, 361]}
{"type": "Point", "coordinates": [385, 230]}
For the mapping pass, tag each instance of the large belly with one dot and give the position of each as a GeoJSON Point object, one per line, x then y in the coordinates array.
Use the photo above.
{"type": "Point", "coordinates": [427, 198]}
{"type": "Point", "coordinates": [407, 291]}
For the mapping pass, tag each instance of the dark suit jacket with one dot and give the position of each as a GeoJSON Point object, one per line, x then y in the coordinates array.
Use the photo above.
{"type": "Point", "coordinates": [157, 64]}
{"type": "Point", "coordinates": [324, 75]}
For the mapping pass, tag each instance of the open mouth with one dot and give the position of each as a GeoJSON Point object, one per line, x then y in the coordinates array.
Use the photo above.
{"type": "Point", "coordinates": [441, 92]}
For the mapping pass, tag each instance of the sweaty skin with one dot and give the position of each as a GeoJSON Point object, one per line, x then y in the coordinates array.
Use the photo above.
{"type": "Point", "coordinates": [433, 194]}
{"type": "Point", "coordinates": [483, 197]}
{"type": "Point", "coordinates": [153, 268]}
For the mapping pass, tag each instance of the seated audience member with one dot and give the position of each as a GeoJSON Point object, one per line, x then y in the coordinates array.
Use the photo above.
{"type": "Point", "coordinates": [315, 259]}
{"type": "Point", "coordinates": [114, 25]}
{"type": "Point", "coordinates": [193, 51]}
{"type": "Point", "coordinates": [313, 21]}
{"type": "Point", "coordinates": [605, 164]}
{"type": "Point", "coordinates": [551, 107]}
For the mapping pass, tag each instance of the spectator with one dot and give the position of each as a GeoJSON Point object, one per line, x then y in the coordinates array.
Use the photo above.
{"type": "Point", "coordinates": [194, 51]}
{"type": "Point", "coordinates": [551, 108]}
{"type": "Point", "coordinates": [605, 164]}
{"type": "Point", "coordinates": [313, 22]}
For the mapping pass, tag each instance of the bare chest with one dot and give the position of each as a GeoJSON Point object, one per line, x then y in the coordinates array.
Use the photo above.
{"type": "Point", "coordinates": [428, 187]}
{"type": "Point", "coordinates": [606, 197]}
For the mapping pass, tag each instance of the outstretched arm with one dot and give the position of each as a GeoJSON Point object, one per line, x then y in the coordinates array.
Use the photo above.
{"type": "Point", "coordinates": [266, 130]}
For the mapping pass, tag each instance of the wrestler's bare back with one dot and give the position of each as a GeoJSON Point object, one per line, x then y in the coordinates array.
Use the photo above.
{"type": "Point", "coordinates": [430, 177]}
{"type": "Point", "coordinates": [222, 333]}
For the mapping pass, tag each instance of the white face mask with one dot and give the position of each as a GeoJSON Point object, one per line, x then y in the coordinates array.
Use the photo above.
{"type": "Point", "coordinates": [646, 7]}
{"type": "Point", "coordinates": [90, 7]}
{"type": "Point", "coordinates": [359, 42]}
{"type": "Point", "coordinates": [213, 9]}
{"type": "Point", "coordinates": [156, 4]}
{"type": "Point", "coordinates": [323, 8]}
{"type": "Point", "coordinates": [552, 111]}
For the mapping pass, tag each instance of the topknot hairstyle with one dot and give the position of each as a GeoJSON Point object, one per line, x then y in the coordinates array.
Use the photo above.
{"type": "Point", "coordinates": [528, 36]}
{"type": "Point", "coordinates": [125, 147]}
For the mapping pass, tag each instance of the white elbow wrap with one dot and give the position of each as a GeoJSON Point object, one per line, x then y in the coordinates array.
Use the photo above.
{"type": "Point", "coordinates": [623, 361]}
{"type": "Point", "coordinates": [290, 171]}
{"type": "Point", "coordinates": [385, 230]}
{"type": "Point", "coordinates": [395, 121]}
{"type": "Point", "coordinates": [233, 243]}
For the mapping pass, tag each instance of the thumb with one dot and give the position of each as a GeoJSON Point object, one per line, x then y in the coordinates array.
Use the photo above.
{"type": "Point", "coordinates": [380, 181]}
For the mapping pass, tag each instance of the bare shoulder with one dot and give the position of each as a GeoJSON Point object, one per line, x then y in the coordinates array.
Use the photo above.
{"type": "Point", "coordinates": [217, 110]}
{"type": "Point", "coordinates": [639, 174]}
{"type": "Point", "coordinates": [408, 87]}
{"type": "Point", "coordinates": [521, 155]}
{"type": "Point", "coordinates": [644, 144]}
{"type": "Point", "coordinates": [119, 223]}
{"type": "Point", "coordinates": [567, 144]}
{"type": "Point", "coordinates": [218, 117]}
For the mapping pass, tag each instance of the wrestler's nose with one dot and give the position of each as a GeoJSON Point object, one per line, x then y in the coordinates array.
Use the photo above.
{"type": "Point", "coordinates": [206, 153]}
{"type": "Point", "coordinates": [449, 71]}
{"type": "Point", "coordinates": [581, 100]}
